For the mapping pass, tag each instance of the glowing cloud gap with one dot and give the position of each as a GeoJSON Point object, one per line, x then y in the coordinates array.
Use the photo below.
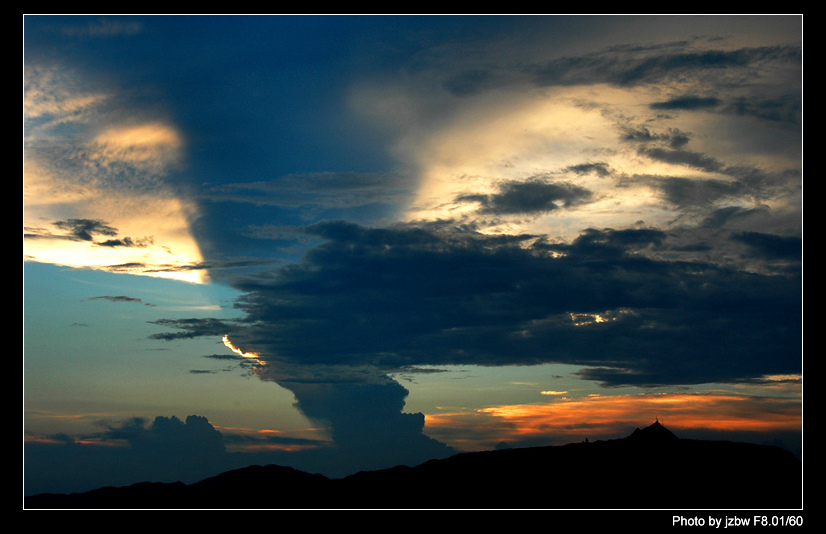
{"type": "Point", "coordinates": [248, 355]}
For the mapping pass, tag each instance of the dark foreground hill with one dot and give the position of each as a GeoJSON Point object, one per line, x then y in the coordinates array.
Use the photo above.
{"type": "Point", "coordinates": [650, 469]}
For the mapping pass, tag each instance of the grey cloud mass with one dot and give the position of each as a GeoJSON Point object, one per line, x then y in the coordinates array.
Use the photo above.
{"type": "Point", "coordinates": [532, 196]}
{"type": "Point", "coordinates": [425, 295]}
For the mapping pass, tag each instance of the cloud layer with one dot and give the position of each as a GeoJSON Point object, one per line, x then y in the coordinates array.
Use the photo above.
{"type": "Point", "coordinates": [418, 295]}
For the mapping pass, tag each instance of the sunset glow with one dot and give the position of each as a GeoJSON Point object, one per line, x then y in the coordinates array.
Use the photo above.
{"type": "Point", "coordinates": [608, 416]}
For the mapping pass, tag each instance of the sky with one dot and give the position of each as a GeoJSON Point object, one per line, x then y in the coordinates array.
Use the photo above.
{"type": "Point", "coordinates": [349, 242]}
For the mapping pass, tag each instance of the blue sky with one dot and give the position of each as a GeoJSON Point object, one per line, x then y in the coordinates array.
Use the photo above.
{"type": "Point", "coordinates": [348, 242]}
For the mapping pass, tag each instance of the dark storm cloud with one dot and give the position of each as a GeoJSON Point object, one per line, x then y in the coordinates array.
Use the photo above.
{"type": "Point", "coordinates": [431, 294]}
{"type": "Point", "coordinates": [773, 246]}
{"type": "Point", "coordinates": [532, 196]}
{"type": "Point", "coordinates": [361, 414]}
{"type": "Point", "coordinates": [357, 402]}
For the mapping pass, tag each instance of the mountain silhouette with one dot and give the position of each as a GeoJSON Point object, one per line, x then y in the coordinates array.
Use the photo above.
{"type": "Point", "coordinates": [649, 469]}
{"type": "Point", "coordinates": [653, 434]}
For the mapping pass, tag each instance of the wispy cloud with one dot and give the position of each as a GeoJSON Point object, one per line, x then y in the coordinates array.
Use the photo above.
{"type": "Point", "coordinates": [316, 190]}
{"type": "Point", "coordinates": [121, 298]}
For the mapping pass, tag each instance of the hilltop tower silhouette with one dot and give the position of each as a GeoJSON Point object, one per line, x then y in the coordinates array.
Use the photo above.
{"type": "Point", "coordinates": [654, 432]}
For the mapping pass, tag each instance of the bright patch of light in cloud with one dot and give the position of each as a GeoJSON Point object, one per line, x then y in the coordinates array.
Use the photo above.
{"type": "Point", "coordinates": [151, 147]}
{"type": "Point", "coordinates": [96, 192]}
{"type": "Point", "coordinates": [648, 153]}
{"type": "Point", "coordinates": [490, 141]}
{"type": "Point", "coordinates": [248, 355]}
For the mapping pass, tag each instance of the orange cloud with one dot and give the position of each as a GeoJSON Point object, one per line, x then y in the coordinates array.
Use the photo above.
{"type": "Point", "coordinates": [610, 417]}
